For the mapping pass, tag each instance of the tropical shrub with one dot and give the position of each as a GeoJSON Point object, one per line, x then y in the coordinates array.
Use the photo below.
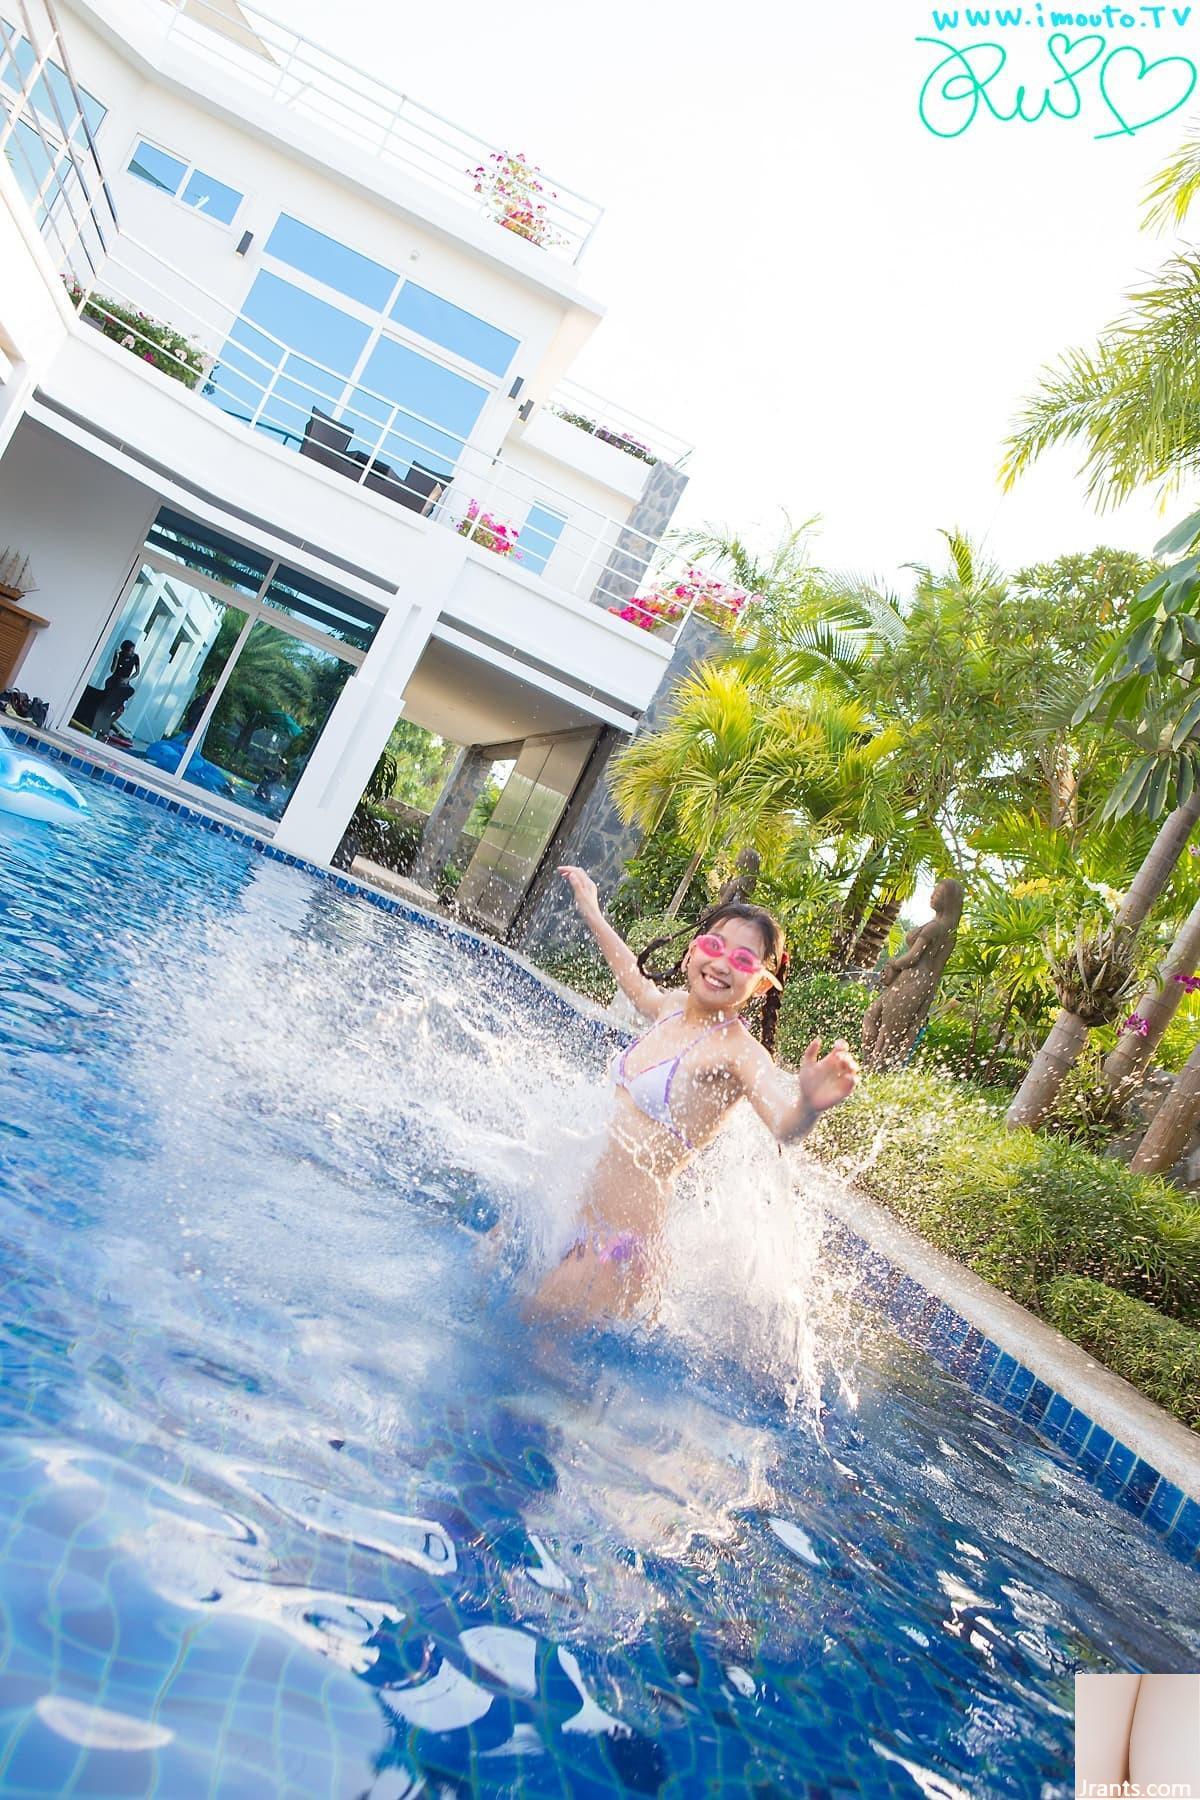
{"type": "Point", "coordinates": [818, 1003]}
{"type": "Point", "coordinates": [1019, 1209]}
{"type": "Point", "coordinates": [160, 345]}
{"type": "Point", "coordinates": [1159, 1356]}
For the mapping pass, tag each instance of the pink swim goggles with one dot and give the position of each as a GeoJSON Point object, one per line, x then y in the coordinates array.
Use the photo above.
{"type": "Point", "coordinates": [711, 943]}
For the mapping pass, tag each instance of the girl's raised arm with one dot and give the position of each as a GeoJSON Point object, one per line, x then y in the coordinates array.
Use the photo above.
{"type": "Point", "coordinates": [616, 952]}
{"type": "Point", "coordinates": [790, 1105]}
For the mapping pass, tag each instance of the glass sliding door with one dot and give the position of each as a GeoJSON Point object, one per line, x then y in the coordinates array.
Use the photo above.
{"type": "Point", "coordinates": [222, 665]}
{"type": "Point", "coordinates": [158, 666]}
{"type": "Point", "coordinates": [525, 819]}
{"type": "Point", "coordinates": [267, 720]}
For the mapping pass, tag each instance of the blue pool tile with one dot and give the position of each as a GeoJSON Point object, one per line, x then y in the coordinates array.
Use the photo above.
{"type": "Point", "coordinates": [1003, 1370]}
{"type": "Point", "coordinates": [1137, 1488]}
{"type": "Point", "coordinates": [979, 1374]}
{"type": "Point", "coordinates": [1120, 1461]}
{"type": "Point", "coordinates": [1105, 1480]}
{"type": "Point", "coordinates": [1184, 1535]}
{"type": "Point", "coordinates": [1165, 1502]}
{"type": "Point", "coordinates": [1141, 1481]}
{"type": "Point", "coordinates": [1075, 1431]}
{"type": "Point", "coordinates": [1018, 1388]}
{"type": "Point", "coordinates": [1038, 1402]}
{"type": "Point", "coordinates": [1094, 1450]}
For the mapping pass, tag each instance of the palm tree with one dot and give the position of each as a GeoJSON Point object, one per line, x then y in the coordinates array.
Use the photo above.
{"type": "Point", "coordinates": [1125, 1065]}
{"type": "Point", "coordinates": [732, 764]}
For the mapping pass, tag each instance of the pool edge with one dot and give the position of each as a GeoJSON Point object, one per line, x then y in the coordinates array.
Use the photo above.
{"type": "Point", "coordinates": [916, 1303]}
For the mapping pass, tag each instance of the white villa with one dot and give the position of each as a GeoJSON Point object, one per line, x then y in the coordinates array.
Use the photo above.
{"type": "Point", "coordinates": [282, 368]}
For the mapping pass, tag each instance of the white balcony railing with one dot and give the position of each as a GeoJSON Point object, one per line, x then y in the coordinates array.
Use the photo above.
{"type": "Point", "coordinates": [381, 444]}
{"type": "Point", "coordinates": [616, 425]}
{"type": "Point", "coordinates": [128, 291]}
{"type": "Point", "coordinates": [47, 141]}
{"type": "Point", "coordinates": [292, 71]}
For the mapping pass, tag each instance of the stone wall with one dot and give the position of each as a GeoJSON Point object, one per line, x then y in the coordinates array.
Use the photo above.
{"type": "Point", "coordinates": [633, 555]}
{"type": "Point", "coordinates": [591, 833]}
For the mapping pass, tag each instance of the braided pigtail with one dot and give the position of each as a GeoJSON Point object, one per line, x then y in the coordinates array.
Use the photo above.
{"type": "Point", "coordinates": [666, 975]}
{"type": "Point", "coordinates": [768, 1029]}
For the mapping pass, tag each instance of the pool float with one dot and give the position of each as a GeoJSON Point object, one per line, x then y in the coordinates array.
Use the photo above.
{"type": "Point", "coordinates": [32, 789]}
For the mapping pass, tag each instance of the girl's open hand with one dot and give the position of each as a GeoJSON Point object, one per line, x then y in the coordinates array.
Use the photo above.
{"type": "Point", "coordinates": [826, 1081]}
{"type": "Point", "coordinates": [584, 889]}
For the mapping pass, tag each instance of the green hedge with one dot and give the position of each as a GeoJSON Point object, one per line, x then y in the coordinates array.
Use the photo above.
{"type": "Point", "coordinates": [1159, 1356]}
{"type": "Point", "coordinates": [817, 1003]}
{"type": "Point", "coordinates": [1019, 1209]}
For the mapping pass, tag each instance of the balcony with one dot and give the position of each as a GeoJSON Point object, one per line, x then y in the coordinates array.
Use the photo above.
{"type": "Point", "coordinates": [308, 81]}
{"type": "Point", "coordinates": [387, 449]}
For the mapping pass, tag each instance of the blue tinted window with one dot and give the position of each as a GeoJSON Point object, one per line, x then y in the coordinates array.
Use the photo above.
{"type": "Point", "coordinates": [156, 167]}
{"type": "Point", "coordinates": [304, 323]}
{"type": "Point", "coordinates": [328, 261]}
{"type": "Point", "coordinates": [343, 616]}
{"type": "Point", "coordinates": [539, 534]}
{"type": "Point", "coordinates": [30, 162]}
{"type": "Point", "coordinates": [209, 551]}
{"type": "Point", "coordinates": [304, 333]}
{"type": "Point", "coordinates": [454, 329]}
{"type": "Point", "coordinates": [50, 88]}
{"type": "Point", "coordinates": [430, 398]}
{"type": "Point", "coordinates": [211, 197]}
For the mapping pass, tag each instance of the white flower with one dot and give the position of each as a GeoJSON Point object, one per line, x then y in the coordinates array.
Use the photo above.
{"type": "Point", "coordinates": [128, 341]}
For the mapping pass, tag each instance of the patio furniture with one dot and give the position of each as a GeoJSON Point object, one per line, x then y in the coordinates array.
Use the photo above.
{"type": "Point", "coordinates": [328, 442]}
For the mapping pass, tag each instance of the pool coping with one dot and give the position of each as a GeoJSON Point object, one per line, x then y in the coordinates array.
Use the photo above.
{"type": "Point", "coordinates": [976, 1333]}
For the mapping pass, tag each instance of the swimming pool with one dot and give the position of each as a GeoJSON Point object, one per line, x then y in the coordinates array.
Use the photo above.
{"type": "Point", "coordinates": [291, 1501]}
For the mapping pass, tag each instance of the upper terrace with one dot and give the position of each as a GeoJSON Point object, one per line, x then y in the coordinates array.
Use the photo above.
{"type": "Point", "coordinates": [310, 81]}
{"type": "Point", "coordinates": [547, 478]}
{"type": "Point", "coordinates": [250, 58]}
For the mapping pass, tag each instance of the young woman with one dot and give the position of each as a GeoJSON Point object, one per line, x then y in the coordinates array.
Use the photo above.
{"type": "Point", "coordinates": [676, 1087]}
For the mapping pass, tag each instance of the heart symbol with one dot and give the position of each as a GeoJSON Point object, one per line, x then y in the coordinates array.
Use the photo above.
{"type": "Point", "coordinates": [1147, 68]}
{"type": "Point", "coordinates": [1060, 47]}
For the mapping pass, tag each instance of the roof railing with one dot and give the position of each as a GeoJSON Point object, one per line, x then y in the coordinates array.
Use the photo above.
{"type": "Point", "coordinates": [294, 72]}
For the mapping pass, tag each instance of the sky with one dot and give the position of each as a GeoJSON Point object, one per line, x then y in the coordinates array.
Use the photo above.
{"type": "Point", "coordinates": [840, 309]}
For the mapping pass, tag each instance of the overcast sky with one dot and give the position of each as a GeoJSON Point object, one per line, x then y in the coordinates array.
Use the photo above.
{"type": "Point", "coordinates": [839, 309]}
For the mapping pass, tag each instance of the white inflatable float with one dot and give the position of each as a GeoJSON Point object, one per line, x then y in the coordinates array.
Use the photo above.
{"type": "Point", "coordinates": [32, 788]}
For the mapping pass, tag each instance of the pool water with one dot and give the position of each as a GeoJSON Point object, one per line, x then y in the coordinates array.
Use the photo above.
{"type": "Point", "coordinates": [293, 1502]}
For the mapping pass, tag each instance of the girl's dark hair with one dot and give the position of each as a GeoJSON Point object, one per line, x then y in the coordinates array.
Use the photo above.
{"type": "Point", "coordinates": [774, 954]}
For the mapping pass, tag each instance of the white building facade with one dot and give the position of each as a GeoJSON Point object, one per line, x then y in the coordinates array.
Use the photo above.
{"type": "Point", "coordinates": [287, 436]}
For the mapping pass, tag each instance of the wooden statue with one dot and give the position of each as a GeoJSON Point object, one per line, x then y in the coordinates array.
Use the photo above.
{"type": "Point", "coordinates": [740, 885]}
{"type": "Point", "coordinates": [910, 981]}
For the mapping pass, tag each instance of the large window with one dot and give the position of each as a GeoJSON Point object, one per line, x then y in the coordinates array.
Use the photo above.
{"type": "Point", "coordinates": [223, 665]}
{"type": "Point", "coordinates": [338, 356]}
{"type": "Point", "coordinates": [43, 158]}
{"type": "Point", "coordinates": [185, 182]}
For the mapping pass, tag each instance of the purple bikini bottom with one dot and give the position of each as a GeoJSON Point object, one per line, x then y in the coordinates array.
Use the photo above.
{"type": "Point", "coordinates": [619, 1247]}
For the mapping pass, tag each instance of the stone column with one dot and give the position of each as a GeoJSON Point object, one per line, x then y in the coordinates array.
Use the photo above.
{"type": "Point", "coordinates": [592, 833]}
{"type": "Point", "coordinates": [640, 536]}
{"type": "Point", "coordinates": [444, 826]}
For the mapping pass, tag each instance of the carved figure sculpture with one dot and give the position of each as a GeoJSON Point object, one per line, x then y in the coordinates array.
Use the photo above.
{"type": "Point", "coordinates": [910, 981]}
{"type": "Point", "coordinates": [741, 883]}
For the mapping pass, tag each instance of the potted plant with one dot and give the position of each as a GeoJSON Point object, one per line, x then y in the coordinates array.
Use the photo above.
{"type": "Point", "coordinates": [490, 532]}
{"type": "Point", "coordinates": [510, 187]}
{"type": "Point", "coordinates": [714, 599]}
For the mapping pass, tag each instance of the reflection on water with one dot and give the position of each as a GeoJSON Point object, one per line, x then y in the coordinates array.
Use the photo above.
{"type": "Point", "coordinates": [293, 1499]}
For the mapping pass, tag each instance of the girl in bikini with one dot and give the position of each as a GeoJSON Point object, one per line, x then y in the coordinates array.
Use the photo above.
{"type": "Point", "coordinates": [676, 1087]}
